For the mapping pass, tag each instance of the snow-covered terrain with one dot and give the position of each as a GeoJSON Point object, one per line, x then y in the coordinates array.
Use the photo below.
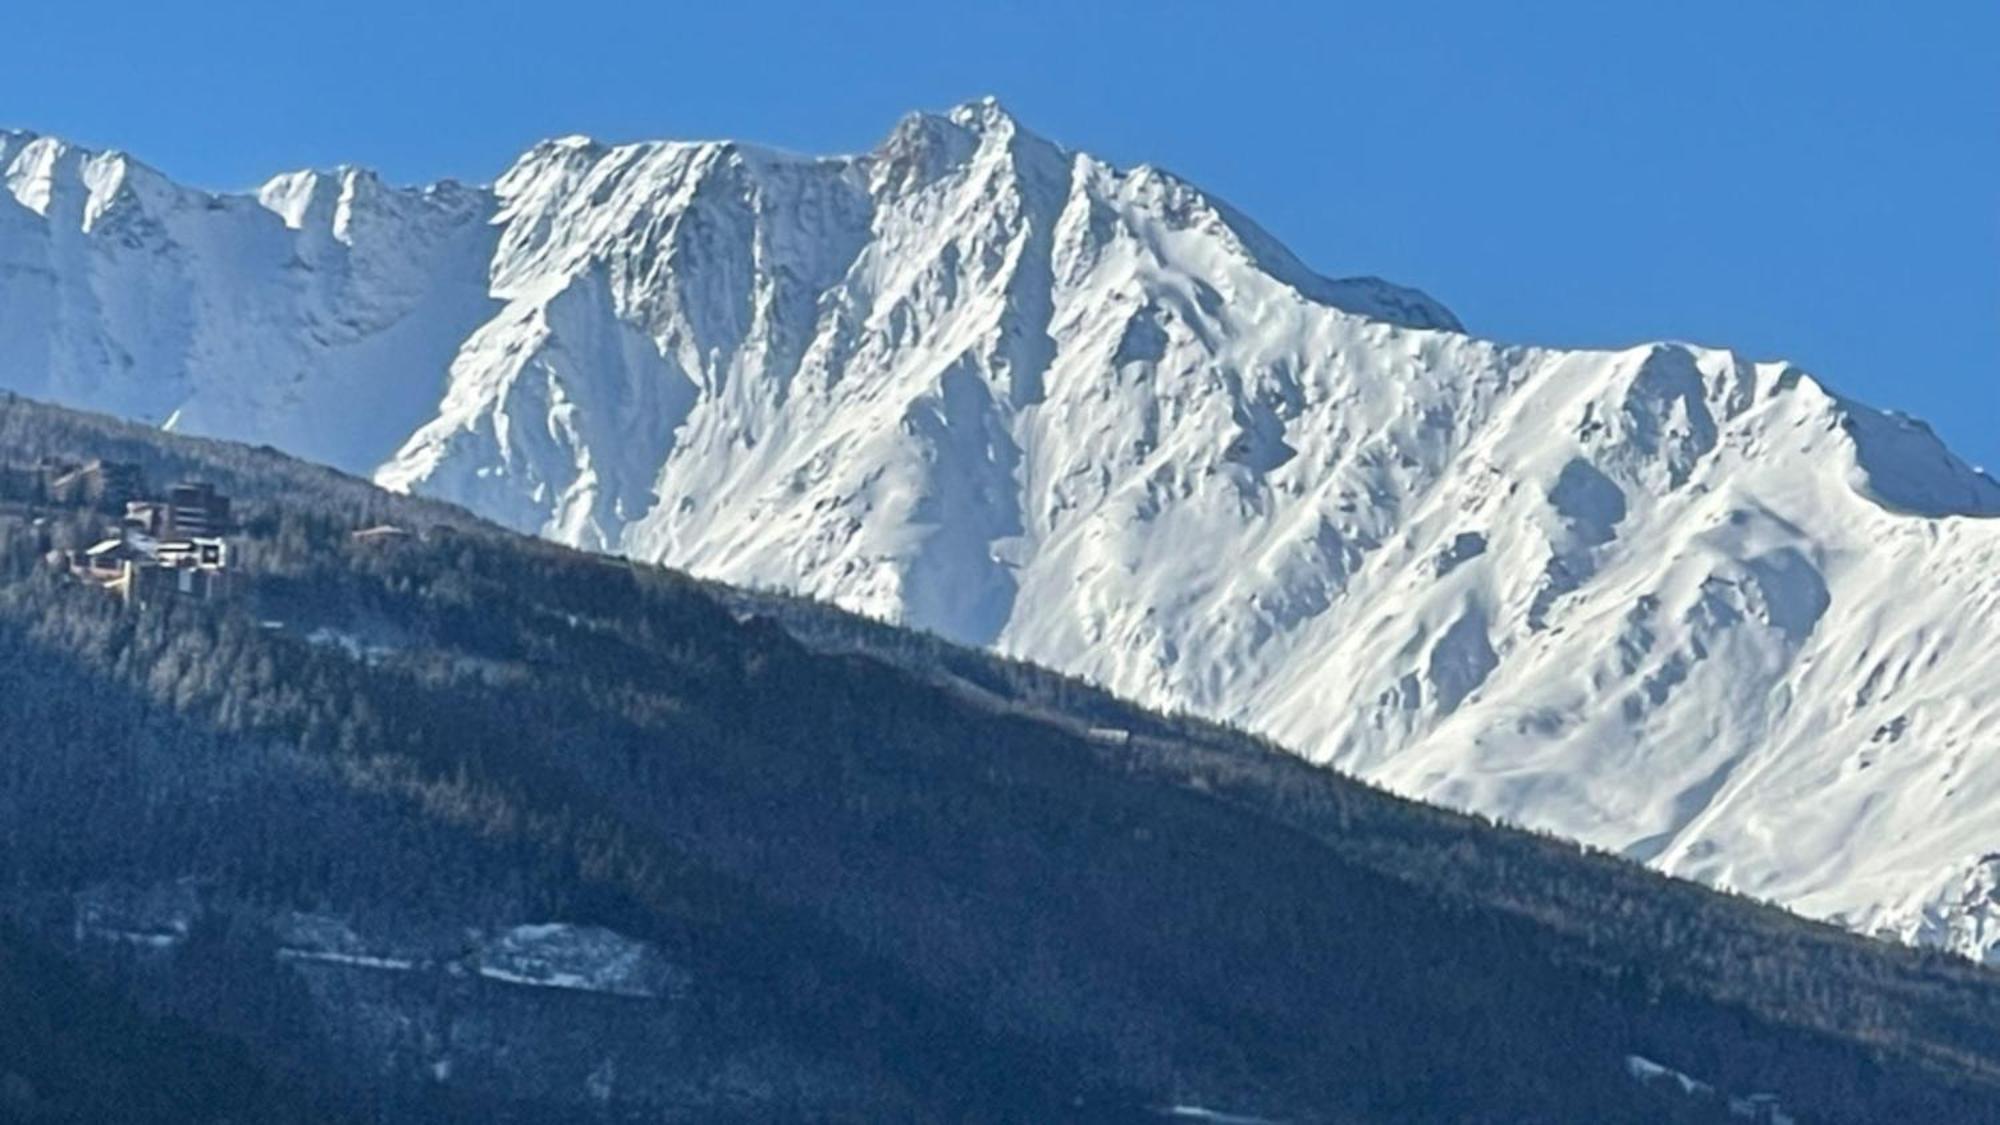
{"type": "Point", "coordinates": [1667, 600]}
{"type": "Point", "coordinates": [584, 958]}
{"type": "Point", "coordinates": [314, 315]}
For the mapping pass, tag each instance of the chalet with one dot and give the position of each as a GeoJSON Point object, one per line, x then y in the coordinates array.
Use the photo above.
{"type": "Point", "coordinates": [111, 565]}
{"type": "Point", "coordinates": [197, 509]}
{"type": "Point", "coordinates": [146, 517]}
{"type": "Point", "coordinates": [138, 568]}
{"type": "Point", "coordinates": [204, 553]}
{"type": "Point", "coordinates": [96, 483]}
{"type": "Point", "coordinates": [187, 577]}
{"type": "Point", "coordinates": [162, 547]}
{"type": "Point", "coordinates": [190, 510]}
{"type": "Point", "coordinates": [109, 562]}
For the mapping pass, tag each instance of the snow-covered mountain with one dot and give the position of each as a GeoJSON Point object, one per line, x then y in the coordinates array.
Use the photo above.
{"type": "Point", "coordinates": [1666, 600]}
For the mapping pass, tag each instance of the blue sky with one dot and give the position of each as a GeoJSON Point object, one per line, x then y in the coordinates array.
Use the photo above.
{"type": "Point", "coordinates": [1818, 181]}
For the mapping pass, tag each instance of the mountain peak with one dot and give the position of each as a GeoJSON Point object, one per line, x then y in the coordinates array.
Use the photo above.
{"type": "Point", "coordinates": [74, 184]}
{"type": "Point", "coordinates": [940, 140]}
{"type": "Point", "coordinates": [979, 119]}
{"type": "Point", "coordinates": [983, 113]}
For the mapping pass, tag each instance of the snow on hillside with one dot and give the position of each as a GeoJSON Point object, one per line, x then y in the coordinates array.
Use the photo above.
{"type": "Point", "coordinates": [1666, 600]}
{"type": "Point", "coordinates": [316, 315]}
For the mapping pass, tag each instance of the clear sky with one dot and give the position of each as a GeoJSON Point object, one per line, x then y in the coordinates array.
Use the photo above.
{"type": "Point", "coordinates": [1813, 180]}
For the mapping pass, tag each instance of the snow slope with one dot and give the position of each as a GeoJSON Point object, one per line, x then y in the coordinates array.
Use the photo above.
{"type": "Point", "coordinates": [316, 315]}
{"type": "Point", "coordinates": [1666, 600]}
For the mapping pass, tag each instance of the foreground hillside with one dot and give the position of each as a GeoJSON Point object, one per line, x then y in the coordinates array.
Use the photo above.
{"type": "Point", "coordinates": [465, 826]}
{"type": "Point", "coordinates": [1672, 601]}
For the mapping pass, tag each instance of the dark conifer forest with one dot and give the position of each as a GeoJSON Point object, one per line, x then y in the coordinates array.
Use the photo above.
{"type": "Point", "coordinates": [453, 825]}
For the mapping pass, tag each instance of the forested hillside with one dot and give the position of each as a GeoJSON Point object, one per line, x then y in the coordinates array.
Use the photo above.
{"type": "Point", "coordinates": [456, 825]}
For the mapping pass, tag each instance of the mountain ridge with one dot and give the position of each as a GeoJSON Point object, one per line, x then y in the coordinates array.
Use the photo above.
{"type": "Point", "coordinates": [1668, 600]}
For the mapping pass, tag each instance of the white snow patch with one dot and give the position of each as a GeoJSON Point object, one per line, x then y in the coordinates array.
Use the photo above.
{"type": "Point", "coordinates": [351, 960]}
{"type": "Point", "coordinates": [1960, 911]}
{"type": "Point", "coordinates": [583, 958]}
{"type": "Point", "coordinates": [354, 646]}
{"type": "Point", "coordinates": [155, 917]}
{"type": "Point", "coordinates": [1218, 1117]}
{"type": "Point", "coordinates": [324, 940]}
{"type": "Point", "coordinates": [1646, 1070]}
